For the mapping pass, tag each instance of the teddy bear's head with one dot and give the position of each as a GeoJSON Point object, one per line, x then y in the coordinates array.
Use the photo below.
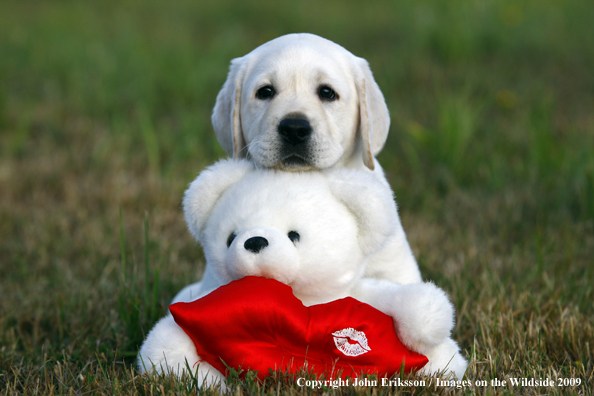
{"type": "Point", "coordinates": [312, 230]}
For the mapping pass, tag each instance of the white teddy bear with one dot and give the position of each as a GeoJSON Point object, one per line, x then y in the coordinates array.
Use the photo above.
{"type": "Point", "coordinates": [313, 231]}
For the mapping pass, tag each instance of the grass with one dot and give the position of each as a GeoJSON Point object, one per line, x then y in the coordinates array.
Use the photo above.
{"type": "Point", "coordinates": [105, 118]}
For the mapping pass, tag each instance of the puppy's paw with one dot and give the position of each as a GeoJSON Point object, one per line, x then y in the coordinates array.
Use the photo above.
{"type": "Point", "coordinates": [445, 360]}
{"type": "Point", "coordinates": [423, 315]}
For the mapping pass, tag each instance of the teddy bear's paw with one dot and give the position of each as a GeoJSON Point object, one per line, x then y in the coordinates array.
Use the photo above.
{"type": "Point", "coordinates": [206, 376]}
{"type": "Point", "coordinates": [168, 350]}
{"type": "Point", "coordinates": [423, 315]}
{"type": "Point", "coordinates": [445, 361]}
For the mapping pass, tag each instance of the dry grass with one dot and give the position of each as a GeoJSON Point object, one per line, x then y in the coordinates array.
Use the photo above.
{"type": "Point", "coordinates": [105, 110]}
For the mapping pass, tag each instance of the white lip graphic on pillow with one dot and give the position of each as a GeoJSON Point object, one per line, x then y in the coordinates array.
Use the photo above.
{"type": "Point", "coordinates": [351, 342]}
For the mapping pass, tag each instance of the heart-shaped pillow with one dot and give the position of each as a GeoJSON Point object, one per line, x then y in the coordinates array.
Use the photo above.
{"type": "Point", "coordinates": [258, 324]}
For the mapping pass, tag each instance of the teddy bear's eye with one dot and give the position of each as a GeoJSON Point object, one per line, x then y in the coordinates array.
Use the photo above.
{"type": "Point", "coordinates": [230, 239]}
{"type": "Point", "coordinates": [293, 236]}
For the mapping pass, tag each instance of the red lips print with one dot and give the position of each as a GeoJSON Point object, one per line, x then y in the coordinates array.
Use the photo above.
{"type": "Point", "coordinates": [258, 324]}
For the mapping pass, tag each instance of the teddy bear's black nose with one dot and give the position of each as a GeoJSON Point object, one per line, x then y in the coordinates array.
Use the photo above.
{"type": "Point", "coordinates": [255, 244]}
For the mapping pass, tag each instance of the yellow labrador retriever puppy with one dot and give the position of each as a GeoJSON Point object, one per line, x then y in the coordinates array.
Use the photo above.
{"type": "Point", "coordinates": [303, 103]}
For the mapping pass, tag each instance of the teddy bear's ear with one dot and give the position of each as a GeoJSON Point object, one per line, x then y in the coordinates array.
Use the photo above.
{"type": "Point", "coordinates": [372, 203]}
{"type": "Point", "coordinates": [204, 192]}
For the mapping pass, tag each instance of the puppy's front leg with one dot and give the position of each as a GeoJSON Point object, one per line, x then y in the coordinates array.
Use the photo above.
{"type": "Point", "coordinates": [423, 315]}
{"type": "Point", "coordinates": [168, 349]}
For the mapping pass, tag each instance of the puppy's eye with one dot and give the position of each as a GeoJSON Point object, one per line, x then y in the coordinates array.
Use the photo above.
{"type": "Point", "coordinates": [266, 92]}
{"type": "Point", "coordinates": [293, 236]}
{"type": "Point", "coordinates": [230, 239]}
{"type": "Point", "coordinates": [326, 93]}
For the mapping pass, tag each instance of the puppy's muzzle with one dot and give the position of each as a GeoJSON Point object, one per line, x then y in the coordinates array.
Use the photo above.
{"type": "Point", "coordinates": [295, 131]}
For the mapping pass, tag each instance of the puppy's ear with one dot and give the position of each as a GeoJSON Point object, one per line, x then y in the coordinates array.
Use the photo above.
{"type": "Point", "coordinates": [203, 193]}
{"type": "Point", "coordinates": [225, 117]}
{"type": "Point", "coordinates": [370, 201]}
{"type": "Point", "coordinates": [373, 113]}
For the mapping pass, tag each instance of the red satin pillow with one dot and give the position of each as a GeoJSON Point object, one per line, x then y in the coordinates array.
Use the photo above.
{"type": "Point", "coordinates": [257, 323]}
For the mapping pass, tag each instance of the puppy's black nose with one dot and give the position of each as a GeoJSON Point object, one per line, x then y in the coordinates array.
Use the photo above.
{"type": "Point", "coordinates": [255, 244]}
{"type": "Point", "coordinates": [294, 130]}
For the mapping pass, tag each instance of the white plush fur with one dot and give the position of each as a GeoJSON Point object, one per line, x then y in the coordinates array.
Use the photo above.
{"type": "Point", "coordinates": [342, 217]}
{"type": "Point", "coordinates": [168, 349]}
{"type": "Point", "coordinates": [346, 132]}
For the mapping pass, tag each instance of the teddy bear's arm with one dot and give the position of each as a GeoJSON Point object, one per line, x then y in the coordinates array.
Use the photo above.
{"type": "Point", "coordinates": [423, 318]}
{"type": "Point", "coordinates": [189, 293]}
{"type": "Point", "coordinates": [168, 350]}
{"type": "Point", "coordinates": [423, 315]}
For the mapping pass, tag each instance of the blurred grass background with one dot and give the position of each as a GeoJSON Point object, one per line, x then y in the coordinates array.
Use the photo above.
{"type": "Point", "coordinates": [105, 118]}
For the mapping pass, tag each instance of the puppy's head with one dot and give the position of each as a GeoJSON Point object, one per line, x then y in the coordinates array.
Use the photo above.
{"type": "Point", "coordinates": [301, 102]}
